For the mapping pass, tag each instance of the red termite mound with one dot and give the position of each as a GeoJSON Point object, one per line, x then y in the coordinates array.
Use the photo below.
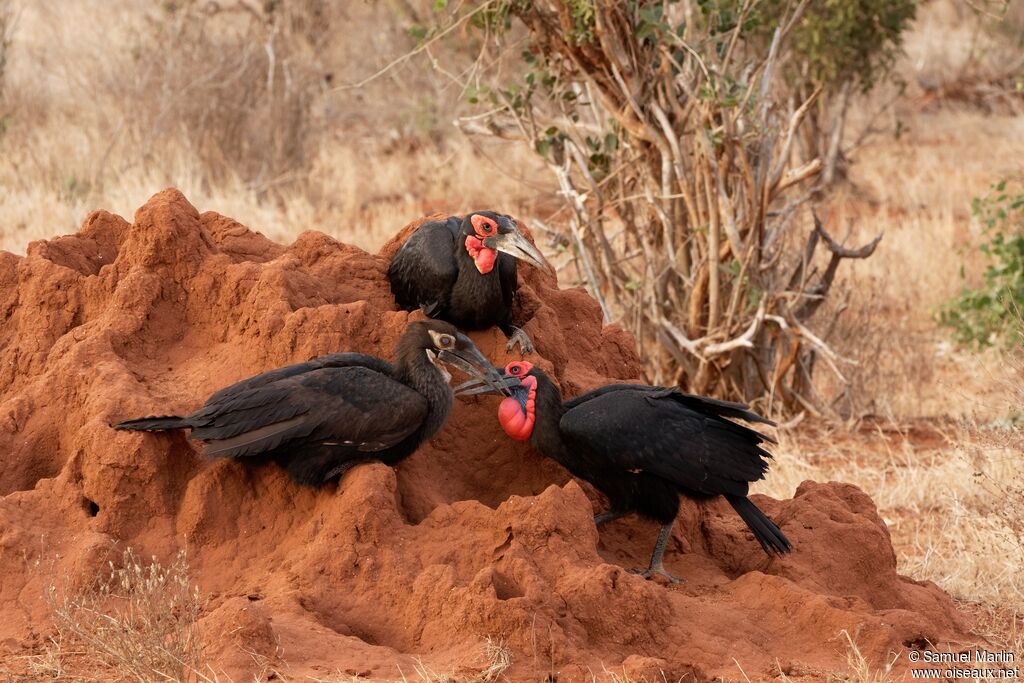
{"type": "Point", "coordinates": [473, 537]}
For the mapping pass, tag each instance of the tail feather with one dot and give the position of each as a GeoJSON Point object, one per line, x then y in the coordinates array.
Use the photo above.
{"type": "Point", "coordinates": [765, 530]}
{"type": "Point", "coordinates": [152, 423]}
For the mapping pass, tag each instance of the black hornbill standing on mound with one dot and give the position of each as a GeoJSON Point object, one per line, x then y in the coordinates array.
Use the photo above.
{"type": "Point", "coordinates": [463, 270]}
{"type": "Point", "coordinates": [319, 418]}
{"type": "Point", "coordinates": [642, 446]}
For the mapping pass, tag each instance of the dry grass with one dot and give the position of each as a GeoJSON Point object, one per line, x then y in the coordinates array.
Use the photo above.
{"type": "Point", "coordinates": [917, 189]}
{"type": "Point", "coordinates": [490, 667]}
{"type": "Point", "coordinates": [83, 125]}
{"type": "Point", "coordinates": [951, 495]}
{"type": "Point", "coordinates": [136, 621]}
{"type": "Point", "coordinates": [859, 669]}
{"type": "Point", "coordinates": [362, 194]}
{"type": "Point", "coordinates": [497, 660]}
{"type": "Point", "coordinates": [149, 98]}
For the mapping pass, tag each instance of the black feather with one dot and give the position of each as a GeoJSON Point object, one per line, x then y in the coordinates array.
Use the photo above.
{"type": "Point", "coordinates": [643, 446]}
{"type": "Point", "coordinates": [765, 530]}
{"type": "Point", "coordinates": [152, 424]}
{"type": "Point", "coordinates": [433, 271]}
{"type": "Point", "coordinates": [319, 417]}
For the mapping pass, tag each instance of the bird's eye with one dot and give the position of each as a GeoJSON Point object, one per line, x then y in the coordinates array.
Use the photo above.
{"type": "Point", "coordinates": [515, 369]}
{"type": "Point", "coordinates": [446, 340]}
{"type": "Point", "coordinates": [483, 225]}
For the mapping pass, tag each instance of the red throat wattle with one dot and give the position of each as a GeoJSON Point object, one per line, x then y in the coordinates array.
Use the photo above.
{"type": "Point", "coordinates": [482, 256]}
{"type": "Point", "coordinates": [516, 420]}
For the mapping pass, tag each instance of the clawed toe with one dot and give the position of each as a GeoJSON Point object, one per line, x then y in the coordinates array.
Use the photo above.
{"type": "Point", "coordinates": [522, 339]}
{"type": "Point", "coordinates": [651, 571]}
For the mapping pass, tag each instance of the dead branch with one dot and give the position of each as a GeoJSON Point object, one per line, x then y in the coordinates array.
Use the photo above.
{"type": "Point", "coordinates": [680, 196]}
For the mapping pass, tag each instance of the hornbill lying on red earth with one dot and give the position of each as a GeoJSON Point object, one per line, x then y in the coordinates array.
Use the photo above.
{"type": "Point", "coordinates": [642, 446]}
{"type": "Point", "coordinates": [319, 418]}
{"type": "Point", "coordinates": [463, 270]}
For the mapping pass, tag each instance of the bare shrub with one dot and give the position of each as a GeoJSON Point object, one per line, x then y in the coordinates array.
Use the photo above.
{"type": "Point", "coordinates": [989, 75]}
{"type": "Point", "coordinates": [238, 83]}
{"type": "Point", "coordinates": [6, 29]}
{"type": "Point", "coordinates": [676, 143]}
{"type": "Point", "coordinates": [137, 621]}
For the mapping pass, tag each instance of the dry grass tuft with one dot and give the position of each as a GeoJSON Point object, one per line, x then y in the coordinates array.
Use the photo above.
{"type": "Point", "coordinates": [135, 622]}
{"type": "Point", "coordinates": [859, 669]}
{"type": "Point", "coordinates": [496, 660]}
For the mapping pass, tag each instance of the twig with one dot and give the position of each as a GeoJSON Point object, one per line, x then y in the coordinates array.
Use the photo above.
{"type": "Point", "coordinates": [412, 53]}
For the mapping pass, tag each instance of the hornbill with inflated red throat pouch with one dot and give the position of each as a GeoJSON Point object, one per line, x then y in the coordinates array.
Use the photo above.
{"type": "Point", "coordinates": [463, 270]}
{"type": "Point", "coordinates": [642, 446]}
{"type": "Point", "coordinates": [319, 418]}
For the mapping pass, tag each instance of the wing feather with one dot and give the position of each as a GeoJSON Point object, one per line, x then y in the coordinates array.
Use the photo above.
{"type": "Point", "coordinates": [424, 269]}
{"type": "Point", "coordinates": [353, 408]}
{"type": "Point", "coordinates": [655, 430]}
{"type": "Point", "coordinates": [259, 440]}
{"type": "Point", "coordinates": [331, 360]}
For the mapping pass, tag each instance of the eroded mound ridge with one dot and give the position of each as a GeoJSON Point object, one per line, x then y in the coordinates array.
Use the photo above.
{"type": "Point", "coordinates": [473, 537]}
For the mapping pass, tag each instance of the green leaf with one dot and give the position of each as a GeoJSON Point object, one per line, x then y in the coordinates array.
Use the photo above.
{"type": "Point", "coordinates": [990, 314]}
{"type": "Point", "coordinates": [417, 33]}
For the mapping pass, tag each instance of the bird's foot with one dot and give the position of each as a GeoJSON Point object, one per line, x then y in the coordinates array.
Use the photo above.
{"type": "Point", "coordinates": [521, 338]}
{"type": "Point", "coordinates": [657, 569]}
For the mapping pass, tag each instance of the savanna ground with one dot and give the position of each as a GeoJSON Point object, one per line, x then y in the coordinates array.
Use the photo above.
{"type": "Point", "coordinates": [100, 107]}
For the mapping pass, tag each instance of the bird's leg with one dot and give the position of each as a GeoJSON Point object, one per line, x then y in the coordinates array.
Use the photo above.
{"type": "Point", "coordinates": [517, 336]}
{"type": "Point", "coordinates": [656, 567]}
{"type": "Point", "coordinates": [341, 469]}
{"type": "Point", "coordinates": [608, 515]}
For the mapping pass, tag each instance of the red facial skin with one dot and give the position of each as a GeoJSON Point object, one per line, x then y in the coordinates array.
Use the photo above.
{"type": "Point", "coordinates": [517, 423]}
{"type": "Point", "coordinates": [483, 257]}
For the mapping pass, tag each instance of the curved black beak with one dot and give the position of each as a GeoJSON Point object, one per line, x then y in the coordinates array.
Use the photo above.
{"type": "Point", "coordinates": [516, 245]}
{"type": "Point", "coordinates": [466, 357]}
{"type": "Point", "coordinates": [478, 386]}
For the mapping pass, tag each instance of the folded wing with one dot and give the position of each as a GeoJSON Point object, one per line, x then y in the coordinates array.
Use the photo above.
{"type": "Point", "coordinates": [354, 408]}
{"type": "Point", "coordinates": [424, 269]}
{"type": "Point", "coordinates": [681, 438]}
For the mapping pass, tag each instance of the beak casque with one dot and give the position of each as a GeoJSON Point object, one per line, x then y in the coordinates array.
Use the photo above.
{"type": "Point", "coordinates": [466, 357]}
{"type": "Point", "coordinates": [516, 245]}
{"type": "Point", "coordinates": [479, 386]}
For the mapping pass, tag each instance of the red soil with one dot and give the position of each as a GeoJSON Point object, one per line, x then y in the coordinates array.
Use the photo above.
{"type": "Point", "coordinates": [473, 536]}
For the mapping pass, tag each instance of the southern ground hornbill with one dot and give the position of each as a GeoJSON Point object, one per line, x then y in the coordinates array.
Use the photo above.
{"type": "Point", "coordinates": [463, 270]}
{"type": "Point", "coordinates": [319, 418]}
{"type": "Point", "coordinates": [642, 446]}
